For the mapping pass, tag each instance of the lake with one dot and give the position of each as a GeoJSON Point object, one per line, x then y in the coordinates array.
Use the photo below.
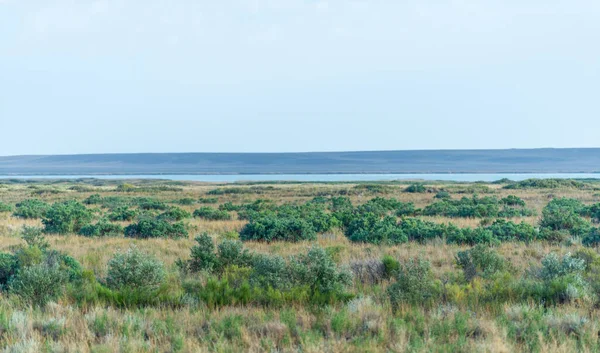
{"type": "Point", "coordinates": [319, 177]}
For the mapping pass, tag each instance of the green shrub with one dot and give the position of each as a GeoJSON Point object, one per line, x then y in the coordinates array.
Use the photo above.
{"type": "Point", "coordinates": [4, 207]}
{"type": "Point", "coordinates": [135, 270]}
{"type": "Point", "coordinates": [512, 200]}
{"type": "Point", "coordinates": [122, 214]}
{"type": "Point", "coordinates": [203, 257]}
{"type": "Point", "coordinates": [505, 230]}
{"type": "Point", "coordinates": [391, 266]}
{"type": "Point", "coordinates": [592, 238]}
{"type": "Point", "coordinates": [319, 272]}
{"type": "Point", "coordinates": [147, 204]}
{"type": "Point", "coordinates": [8, 267]}
{"type": "Point", "coordinates": [212, 214]}
{"type": "Point", "coordinates": [274, 228]}
{"type": "Point", "coordinates": [416, 188]}
{"type": "Point", "coordinates": [414, 284]}
{"type": "Point", "coordinates": [155, 228]}
{"type": "Point", "coordinates": [101, 229]}
{"type": "Point", "coordinates": [38, 284]}
{"type": "Point", "coordinates": [175, 214]}
{"type": "Point", "coordinates": [233, 253]}
{"type": "Point", "coordinates": [34, 237]}
{"type": "Point", "coordinates": [564, 215]}
{"type": "Point", "coordinates": [480, 260]}
{"type": "Point", "coordinates": [442, 195]}
{"type": "Point", "coordinates": [31, 209]}
{"type": "Point", "coordinates": [546, 184]}
{"type": "Point", "coordinates": [94, 200]}
{"type": "Point", "coordinates": [208, 200]}
{"type": "Point", "coordinates": [186, 201]}
{"type": "Point", "coordinates": [66, 217]}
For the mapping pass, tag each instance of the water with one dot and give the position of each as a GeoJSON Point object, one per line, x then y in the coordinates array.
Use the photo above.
{"type": "Point", "coordinates": [319, 177]}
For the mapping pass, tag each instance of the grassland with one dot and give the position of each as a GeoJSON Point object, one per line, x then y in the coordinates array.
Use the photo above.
{"type": "Point", "coordinates": [491, 312]}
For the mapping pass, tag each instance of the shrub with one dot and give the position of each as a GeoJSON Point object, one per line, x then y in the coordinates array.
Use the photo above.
{"type": "Point", "coordinates": [481, 261]}
{"type": "Point", "coordinates": [391, 266]}
{"type": "Point", "coordinates": [31, 209]}
{"type": "Point", "coordinates": [175, 214]}
{"type": "Point", "coordinates": [101, 229]}
{"type": "Point", "coordinates": [66, 217]}
{"type": "Point", "coordinates": [203, 257]}
{"type": "Point", "coordinates": [370, 228]}
{"type": "Point", "coordinates": [562, 278]}
{"type": "Point", "coordinates": [122, 214]}
{"type": "Point", "coordinates": [155, 228]}
{"type": "Point", "coordinates": [414, 284]}
{"type": "Point", "coordinates": [147, 204]}
{"type": "Point", "coordinates": [274, 228]}
{"type": "Point", "coordinates": [232, 253]}
{"type": "Point", "coordinates": [592, 239]}
{"type": "Point", "coordinates": [512, 200]}
{"type": "Point", "coordinates": [208, 200]}
{"type": "Point", "coordinates": [505, 230]}
{"type": "Point", "coordinates": [4, 207]}
{"type": "Point", "coordinates": [563, 214]}
{"type": "Point", "coordinates": [368, 271]}
{"type": "Point", "coordinates": [8, 267]}
{"type": "Point", "coordinates": [546, 184]}
{"type": "Point", "coordinates": [93, 200]}
{"type": "Point", "coordinates": [212, 214]}
{"type": "Point", "coordinates": [186, 201]}
{"type": "Point", "coordinates": [34, 237]}
{"type": "Point", "coordinates": [416, 188]}
{"type": "Point", "coordinates": [442, 195]}
{"type": "Point", "coordinates": [319, 272]}
{"type": "Point", "coordinates": [135, 270]}
{"type": "Point", "coordinates": [38, 284]}
{"type": "Point", "coordinates": [271, 271]}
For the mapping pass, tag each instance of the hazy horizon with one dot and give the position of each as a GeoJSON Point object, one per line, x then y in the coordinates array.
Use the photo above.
{"type": "Point", "coordinates": [109, 76]}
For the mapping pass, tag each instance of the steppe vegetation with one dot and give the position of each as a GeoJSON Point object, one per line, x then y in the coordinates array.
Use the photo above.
{"type": "Point", "coordinates": [161, 266]}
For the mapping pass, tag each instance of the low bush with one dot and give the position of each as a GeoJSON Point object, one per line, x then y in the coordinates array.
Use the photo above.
{"type": "Point", "coordinates": [208, 200]}
{"type": "Point", "coordinates": [38, 284]}
{"type": "Point", "coordinates": [414, 284]}
{"type": "Point", "coordinates": [273, 228]}
{"type": "Point", "coordinates": [155, 228]}
{"type": "Point", "coordinates": [416, 188]}
{"type": "Point", "coordinates": [135, 270]}
{"type": "Point", "coordinates": [175, 214]}
{"type": "Point", "coordinates": [102, 228]}
{"type": "Point", "coordinates": [4, 207]}
{"type": "Point", "coordinates": [66, 217]}
{"type": "Point", "coordinates": [563, 214]}
{"type": "Point", "coordinates": [122, 214]}
{"type": "Point", "coordinates": [480, 260]}
{"type": "Point", "coordinates": [31, 209]}
{"type": "Point", "coordinates": [546, 184]}
{"type": "Point", "coordinates": [212, 214]}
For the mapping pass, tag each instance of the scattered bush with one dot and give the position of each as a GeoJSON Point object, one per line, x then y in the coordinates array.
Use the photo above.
{"type": "Point", "coordinates": [481, 261]}
{"type": "Point", "coordinates": [122, 214]}
{"type": "Point", "coordinates": [38, 284]}
{"type": "Point", "coordinates": [175, 214]}
{"type": "Point", "coordinates": [135, 270]}
{"type": "Point", "coordinates": [414, 284]}
{"type": "Point", "coordinates": [101, 229]}
{"type": "Point", "coordinates": [212, 214]}
{"type": "Point", "coordinates": [416, 188]}
{"type": "Point", "coordinates": [273, 228]}
{"type": "Point", "coordinates": [31, 209]}
{"type": "Point", "coordinates": [155, 228]}
{"type": "Point", "coordinates": [546, 184]}
{"type": "Point", "coordinates": [66, 217]}
{"type": "Point", "coordinates": [4, 207]}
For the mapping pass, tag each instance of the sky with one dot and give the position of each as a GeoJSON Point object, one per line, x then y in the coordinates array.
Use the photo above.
{"type": "Point", "coordinates": [120, 76]}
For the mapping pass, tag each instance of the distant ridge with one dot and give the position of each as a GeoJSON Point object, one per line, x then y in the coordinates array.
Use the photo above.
{"type": "Point", "coordinates": [546, 160]}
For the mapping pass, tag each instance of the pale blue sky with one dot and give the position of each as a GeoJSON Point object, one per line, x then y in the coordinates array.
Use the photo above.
{"type": "Point", "coordinates": [100, 76]}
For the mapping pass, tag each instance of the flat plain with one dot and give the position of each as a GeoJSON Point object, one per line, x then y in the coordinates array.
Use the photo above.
{"type": "Point", "coordinates": [162, 266]}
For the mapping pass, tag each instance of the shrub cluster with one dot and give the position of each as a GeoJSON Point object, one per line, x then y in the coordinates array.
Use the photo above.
{"type": "Point", "coordinates": [31, 209]}
{"type": "Point", "coordinates": [212, 214]}
{"type": "Point", "coordinates": [148, 227]}
{"type": "Point", "coordinates": [475, 207]}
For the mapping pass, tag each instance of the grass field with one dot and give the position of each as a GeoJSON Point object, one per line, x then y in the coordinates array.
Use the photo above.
{"type": "Point", "coordinates": [515, 299]}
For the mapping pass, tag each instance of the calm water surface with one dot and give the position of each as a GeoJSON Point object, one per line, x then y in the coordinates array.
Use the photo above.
{"type": "Point", "coordinates": [319, 177]}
